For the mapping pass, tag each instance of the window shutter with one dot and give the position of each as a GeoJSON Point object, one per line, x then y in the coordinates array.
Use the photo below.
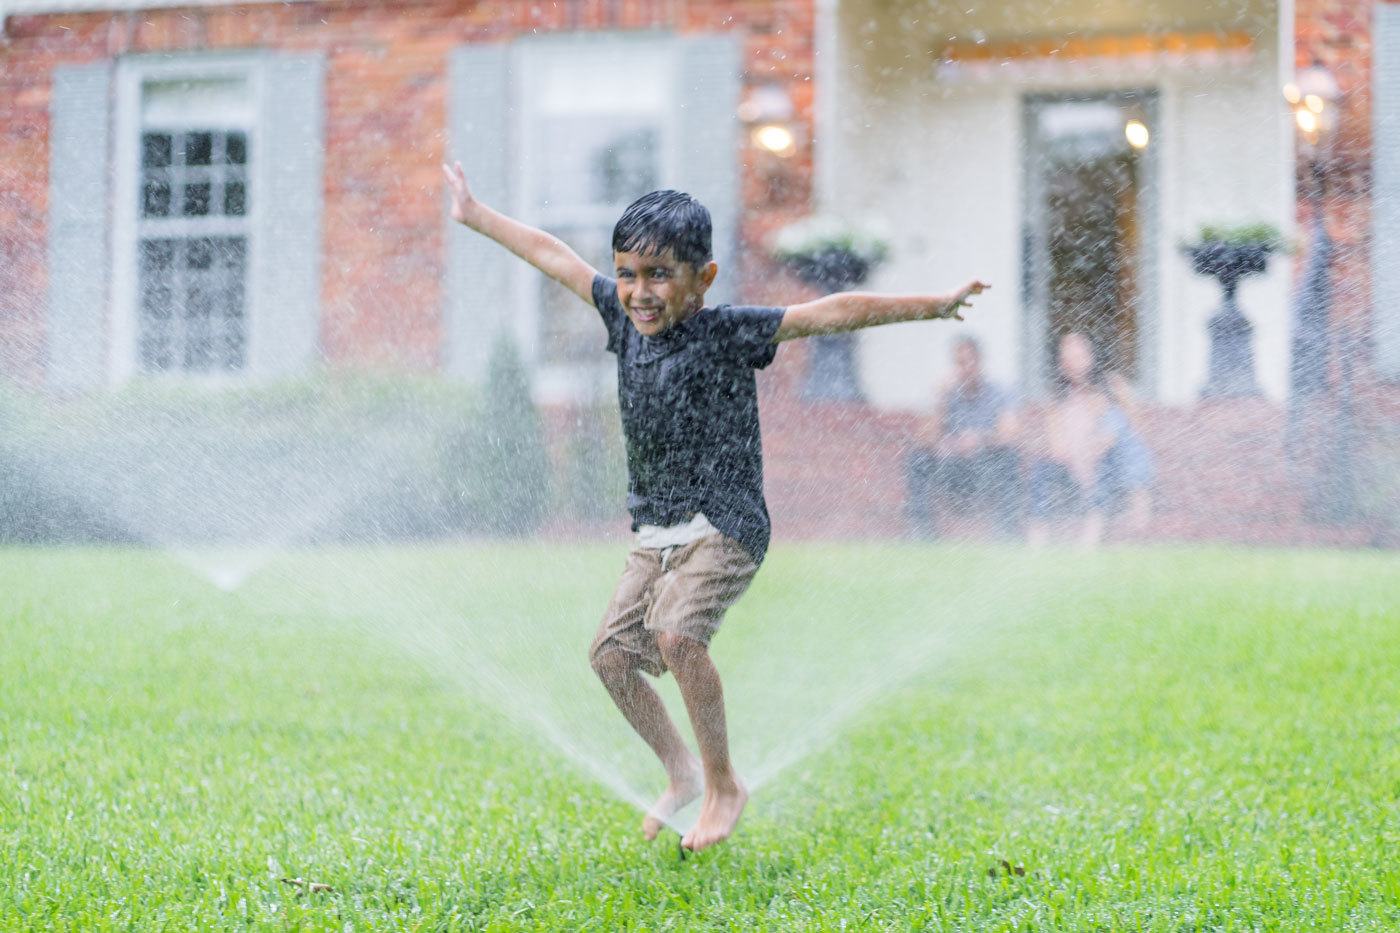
{"type": "Point", "coordinates": [710, 80]}
{"type": "Point", "coordinates": [284, 331]}
{"type": "Point", "coordinates": [477, 297]}
{"type": "Point", "coordinates": [1385, 196]}
{"type": "Point", "coordinates": [79, 170]}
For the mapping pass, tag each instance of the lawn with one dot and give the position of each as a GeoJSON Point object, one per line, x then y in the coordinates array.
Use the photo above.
{"type": "Point", "coordinates": [942, 738]}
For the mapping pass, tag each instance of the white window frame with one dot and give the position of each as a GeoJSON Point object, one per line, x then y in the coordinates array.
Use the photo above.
{"type": "Point", "coordinates": [556, 382]}
{"type": "Point", "coordinates": [132, 75]}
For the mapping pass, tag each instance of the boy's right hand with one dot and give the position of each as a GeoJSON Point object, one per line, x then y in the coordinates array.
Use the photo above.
{"type": "Point", "coordinates": [463, 202]}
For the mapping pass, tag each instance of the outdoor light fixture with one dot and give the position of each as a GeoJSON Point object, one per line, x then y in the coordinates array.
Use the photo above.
{"type": "Point", "coordinates": [1313, 97]}
{"type": "Point", "coordinates": [1137, 134]}
{"type": "Point", "coordinates": [769, 110]}
{"type": "Point", "coordinates": [776, 139]}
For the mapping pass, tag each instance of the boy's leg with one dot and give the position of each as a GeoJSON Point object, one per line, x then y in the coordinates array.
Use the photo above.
{"type": "Point", "coordinates": [621, 650]}
{"type": "Point", "coordinates": [645, 712]}
{"type": "Point", "coordinates": [704, 580]}
{"type": "Point", "coordinates": [703, 692]}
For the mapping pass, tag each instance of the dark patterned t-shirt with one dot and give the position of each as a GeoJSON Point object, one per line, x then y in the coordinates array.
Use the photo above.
{"type": "Point", "coordinates": [690, 415]}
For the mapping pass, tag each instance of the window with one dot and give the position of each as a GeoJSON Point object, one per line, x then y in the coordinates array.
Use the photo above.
{"type": "Point", "coordinates": [192, 206]}
{"type": "Point", "coordinates": [596, 138]}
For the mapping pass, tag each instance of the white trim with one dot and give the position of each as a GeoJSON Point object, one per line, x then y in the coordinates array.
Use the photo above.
{"type": "Point", "coordinates": [1384, 353]}
{"type": "Point", "coordinates": [1287, 142]}
{"type": "Point", "coordinates": [826, 134]}
{"type": "Point", "coordinates": [132, 73]}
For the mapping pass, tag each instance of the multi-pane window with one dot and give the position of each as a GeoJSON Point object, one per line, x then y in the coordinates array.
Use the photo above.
{"type": "Point", "coordinates": [605, 142]}
{"type": "Point", "coordinates": [193, 230]}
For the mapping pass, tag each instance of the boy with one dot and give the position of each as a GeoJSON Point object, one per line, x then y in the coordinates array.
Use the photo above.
{"type": "Point", "coordinates": [694, 464]}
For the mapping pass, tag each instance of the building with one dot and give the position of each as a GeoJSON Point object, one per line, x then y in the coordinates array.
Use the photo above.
{"type": "Point", "coordinates": [222, 192]}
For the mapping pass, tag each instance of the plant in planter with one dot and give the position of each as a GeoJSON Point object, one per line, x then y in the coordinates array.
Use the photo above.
{"type": "Point", "coordinates": [1229, 254]}
{"type": "Point", "coordinates": [834, 256]}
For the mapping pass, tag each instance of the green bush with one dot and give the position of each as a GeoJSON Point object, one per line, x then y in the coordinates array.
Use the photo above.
{"type": "Point", "coordinates": [341, 457]}
{"type": "Point", "coordinates": [499, 469]}
{"type": "Point", "coordinates": [1249, 234]}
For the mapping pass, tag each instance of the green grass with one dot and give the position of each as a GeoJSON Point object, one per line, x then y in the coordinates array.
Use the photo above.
{"type": "Point", "coordinates": [1163, 739]}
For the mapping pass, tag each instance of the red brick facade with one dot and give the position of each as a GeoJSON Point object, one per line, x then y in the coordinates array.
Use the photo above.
{"type": "Point", "coordinates": [381, 297]}
{"type": "Point", "coordinates": [386, 104]}
{"type": "Point", "coordinates": [1338, 33]}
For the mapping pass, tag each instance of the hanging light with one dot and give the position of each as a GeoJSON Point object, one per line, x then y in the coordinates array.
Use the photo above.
{"type": "Point", "coordinates": [768, 110]}
{"type": "Point", "coordinates": [1313, 97]}
{"type": "Point", "coordinates": [1317, 81]}
{"type": "Point", "coordinates": [1137, 133]}
{"type": "Point", "coordinates": [776, 139]}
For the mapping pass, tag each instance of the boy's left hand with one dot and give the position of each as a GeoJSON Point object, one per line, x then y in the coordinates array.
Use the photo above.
{"type": "Point", "coordinates": [959, 300]}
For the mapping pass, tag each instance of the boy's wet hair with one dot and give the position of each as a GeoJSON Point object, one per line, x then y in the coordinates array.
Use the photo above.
{"type": "Point", "coordinates": [665, 220]}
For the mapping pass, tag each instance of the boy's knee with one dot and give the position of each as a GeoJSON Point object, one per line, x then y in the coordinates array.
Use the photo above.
{"type": "Point", "coordinates": [611, 665]}
{"type": "Point", "coordinates": [676, 649]}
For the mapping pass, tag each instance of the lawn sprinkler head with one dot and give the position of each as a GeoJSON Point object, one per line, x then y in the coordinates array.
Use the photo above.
{"type": "Point", "coordinates": [227, 579]}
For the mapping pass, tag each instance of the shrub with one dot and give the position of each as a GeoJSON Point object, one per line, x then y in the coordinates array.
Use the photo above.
{"type": "Point", "coordinates": [498, 466]}
{"type": "Point", "coordinates": [324, 458]}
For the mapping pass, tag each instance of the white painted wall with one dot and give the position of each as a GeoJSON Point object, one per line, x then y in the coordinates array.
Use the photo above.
{"type": "Point", "coordinates": [947, 184]}
{"type": "Point", "coordinates": [941, 165]}
{"type": "Point", "coordinates": [1227, 160]}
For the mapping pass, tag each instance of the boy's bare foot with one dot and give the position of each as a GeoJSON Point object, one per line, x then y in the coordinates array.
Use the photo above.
{"type": "Point", "coordinates": [678, 793]}
{"type": "Point", "coordinates": [718, 815]}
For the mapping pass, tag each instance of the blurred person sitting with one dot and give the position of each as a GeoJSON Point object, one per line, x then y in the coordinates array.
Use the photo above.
{"type": "Point", "coordinates": [1093, 462]}
{"type": "Point", "coordinates": [969, 455]}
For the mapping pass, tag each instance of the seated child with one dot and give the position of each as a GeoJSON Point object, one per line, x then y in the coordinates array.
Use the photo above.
{"type": "Point", "coordinates": [1095, 463]}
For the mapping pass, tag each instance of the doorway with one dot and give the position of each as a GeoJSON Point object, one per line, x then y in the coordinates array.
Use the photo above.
{"type": "Point", "coordinates": [1089, 222]}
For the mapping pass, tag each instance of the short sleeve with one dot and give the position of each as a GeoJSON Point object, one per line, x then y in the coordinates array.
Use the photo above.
{"type": "Point", "coordinates": [745, 333]}
{"type": "Point", "coordinates": [610, 309]}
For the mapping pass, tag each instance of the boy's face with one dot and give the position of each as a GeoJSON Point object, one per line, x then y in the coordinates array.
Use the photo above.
{"type": "Point", "coordinates": [659, 291]}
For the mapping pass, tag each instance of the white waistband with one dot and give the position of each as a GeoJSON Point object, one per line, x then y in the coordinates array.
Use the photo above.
{"type": "Point", "coordinates": [658, 536]}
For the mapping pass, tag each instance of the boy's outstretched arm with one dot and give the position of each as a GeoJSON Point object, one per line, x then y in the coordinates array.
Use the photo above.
{"type": "Point", "coordinates": [544, 251]}
{"type": "Point", "coordinates": [854, 310]}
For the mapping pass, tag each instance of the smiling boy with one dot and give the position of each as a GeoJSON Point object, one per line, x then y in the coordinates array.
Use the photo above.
{"type": "Point", "coordinates": [689, 406]}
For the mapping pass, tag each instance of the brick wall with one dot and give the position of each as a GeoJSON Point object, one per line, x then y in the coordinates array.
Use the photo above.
{"type": "Point", "coordinates": [385, 136]}
{"type": "Point", "coordinates": [1338, 33]}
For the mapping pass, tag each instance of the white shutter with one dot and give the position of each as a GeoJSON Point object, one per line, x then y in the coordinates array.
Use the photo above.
{"type": "Point", "coordinates": [477, 292]}
{"type": "Point", "coordinates": [707, 100]}
{"type": "Point", "coordinates": [1385, 195]}
{"type": "Point", "coordinates": [78, 263]}
{"type": "Point", "coordinates": [284, 329]}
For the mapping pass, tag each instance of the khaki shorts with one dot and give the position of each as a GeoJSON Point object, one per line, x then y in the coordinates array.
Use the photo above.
{"type": "Point", "coordinates": [684, 590]}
